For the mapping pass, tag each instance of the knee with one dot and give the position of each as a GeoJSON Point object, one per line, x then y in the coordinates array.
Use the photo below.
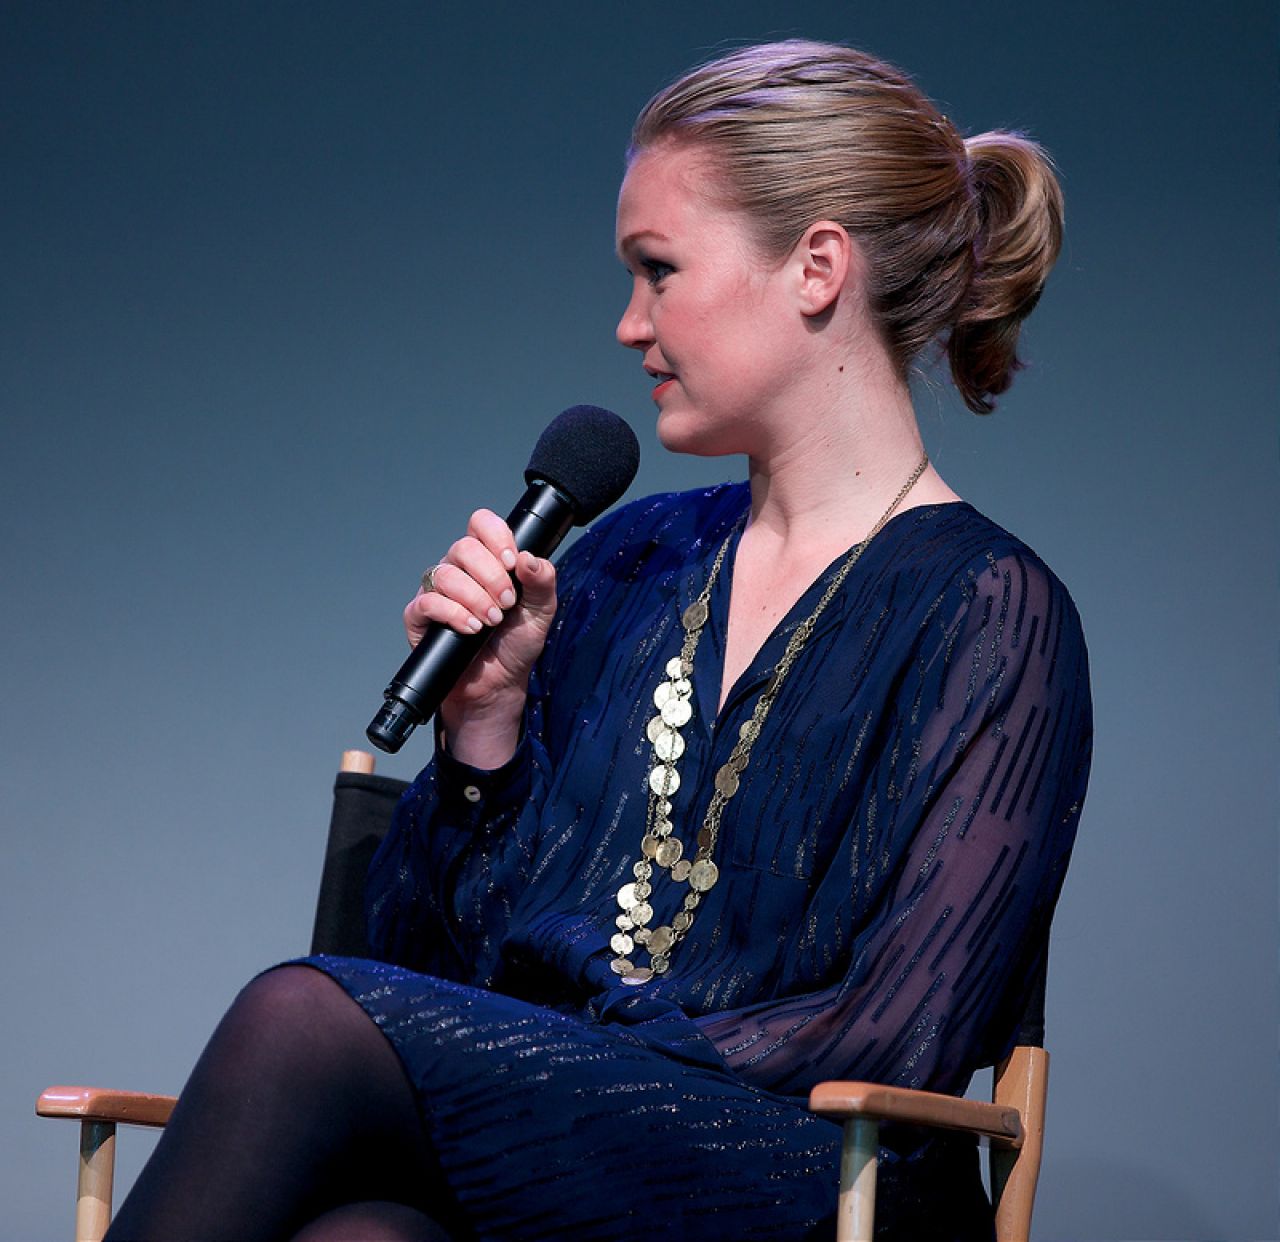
{"type": "Point", "coordinates": [374, 1221]}
{"type": "Point", "coordinates": [289, 999]}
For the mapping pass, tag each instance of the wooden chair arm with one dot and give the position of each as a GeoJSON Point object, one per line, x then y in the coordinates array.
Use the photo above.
{"type": "Point", "coordinates": [873, 1101]}
{"type": "Point", "coordinates": [135, 1108]}
{"type": "Point", "coordinates": [99, 1112]}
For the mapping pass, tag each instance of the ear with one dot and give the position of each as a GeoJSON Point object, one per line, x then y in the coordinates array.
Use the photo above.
{"type": "Point", "coordinates": [824, 258]}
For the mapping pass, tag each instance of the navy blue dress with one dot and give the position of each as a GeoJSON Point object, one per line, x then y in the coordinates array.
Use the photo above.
{"type": "Point", "coordinates": [888, 870]}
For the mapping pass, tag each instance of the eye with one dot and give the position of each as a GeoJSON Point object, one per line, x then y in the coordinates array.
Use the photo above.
{"type": "Point", "coordinates": [657, 270]}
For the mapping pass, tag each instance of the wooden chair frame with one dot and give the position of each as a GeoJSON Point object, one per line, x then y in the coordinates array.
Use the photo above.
{"type": "Point", "coordinates": [1012, 1126]}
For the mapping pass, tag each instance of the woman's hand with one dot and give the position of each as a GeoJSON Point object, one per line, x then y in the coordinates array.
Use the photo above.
{"type": "Point", "coordinates": [473, 592]}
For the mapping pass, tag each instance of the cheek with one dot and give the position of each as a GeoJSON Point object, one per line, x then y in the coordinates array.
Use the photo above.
{"type": "Point", "coordinates": [718, 332]}
{"type": "Point", "coordinates": [704, 333]}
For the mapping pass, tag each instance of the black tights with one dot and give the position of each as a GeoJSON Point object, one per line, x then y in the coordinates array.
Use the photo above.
{"type": "Point", "coordinates": [297, 1123]}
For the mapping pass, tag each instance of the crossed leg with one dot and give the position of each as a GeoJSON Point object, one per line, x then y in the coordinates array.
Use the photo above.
{"type": "Point", "coordinates": [297, 1122]}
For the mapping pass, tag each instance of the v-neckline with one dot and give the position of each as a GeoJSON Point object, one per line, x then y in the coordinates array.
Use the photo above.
{"type": "Point", "coordinates": [709, 672]}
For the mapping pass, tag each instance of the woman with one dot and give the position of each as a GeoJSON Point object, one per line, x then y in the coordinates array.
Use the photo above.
{"type": "Point", "coordinates": [767, 784]}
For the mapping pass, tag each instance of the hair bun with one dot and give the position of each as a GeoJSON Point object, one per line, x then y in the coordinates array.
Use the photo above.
{"type": "Point", "coordinates": [1020, 217]}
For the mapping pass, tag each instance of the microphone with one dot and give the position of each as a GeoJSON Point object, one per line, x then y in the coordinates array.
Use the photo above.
{"type": "Point", "coordinates": [583, 462]}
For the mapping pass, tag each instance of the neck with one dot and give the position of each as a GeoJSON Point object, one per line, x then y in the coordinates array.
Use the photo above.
{"type": "Point", "coordinates": [829, 483]}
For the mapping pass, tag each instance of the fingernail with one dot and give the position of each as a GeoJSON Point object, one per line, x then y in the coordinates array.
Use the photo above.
{"type": "Point", "coordinates": [495, 615]}
{"type": "Point", "coordinates": [474, 625]}
{"type": "Point", "coordinates": [508, 558]}
{"type": "Point", "coordinates": [507, 598]}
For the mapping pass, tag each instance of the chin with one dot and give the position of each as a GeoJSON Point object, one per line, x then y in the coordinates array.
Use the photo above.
{"type": "Point", "coordinates": [686, 431]}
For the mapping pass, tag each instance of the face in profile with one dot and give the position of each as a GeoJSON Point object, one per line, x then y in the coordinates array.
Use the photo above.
{"type": "Point", "coordinates": [708, 313]}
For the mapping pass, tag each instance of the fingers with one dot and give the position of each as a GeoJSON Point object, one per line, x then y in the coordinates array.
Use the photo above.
{"type": "Point", "coordinates": [486, 554]}
{"type": "Point", "coordinates": [475, 573]}
{"type": "Point", "coordinates": [468, 579]}
{"type": "Point", "coordinates": [537, 579]}
{"type": "Point", "coordinates": [473, 583]}
{"type": "Point", "coordinates": [429, 606]}
{"type": "Point", "coordinates": [494, 535]}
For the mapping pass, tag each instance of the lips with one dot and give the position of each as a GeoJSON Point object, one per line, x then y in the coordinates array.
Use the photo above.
{"type": "Point", "coordinates": [665, 380]}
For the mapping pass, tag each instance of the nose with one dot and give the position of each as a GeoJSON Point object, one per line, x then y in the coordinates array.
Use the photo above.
{"type": "Point", "coordinates": [634, 330]}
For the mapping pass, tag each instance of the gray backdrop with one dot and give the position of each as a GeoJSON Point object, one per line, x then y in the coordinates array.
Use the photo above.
{"type": "Point", "coordinates": [289, 288]}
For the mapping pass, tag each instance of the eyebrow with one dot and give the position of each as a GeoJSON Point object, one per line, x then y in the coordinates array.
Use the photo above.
{"type": "Point", "coordinates": [630, 240]}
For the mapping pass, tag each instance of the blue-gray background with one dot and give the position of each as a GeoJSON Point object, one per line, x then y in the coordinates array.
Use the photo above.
{"type": "Point", "coordinates": [289, 288]}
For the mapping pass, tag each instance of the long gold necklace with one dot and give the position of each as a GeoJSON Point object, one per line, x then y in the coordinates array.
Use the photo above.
{"type": "Point", "coordinates": [674, 700]}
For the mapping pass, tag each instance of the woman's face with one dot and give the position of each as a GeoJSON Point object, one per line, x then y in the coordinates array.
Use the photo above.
{"type": "Point", "coordinates": [709, 314]}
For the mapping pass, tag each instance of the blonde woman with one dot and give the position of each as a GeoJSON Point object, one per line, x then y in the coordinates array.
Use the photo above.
{"type": "Point", "coordinates": [765, 784]}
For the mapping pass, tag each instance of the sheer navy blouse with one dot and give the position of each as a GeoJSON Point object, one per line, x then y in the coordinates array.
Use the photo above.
{"type": "Point", "coordinates": [892, 858]}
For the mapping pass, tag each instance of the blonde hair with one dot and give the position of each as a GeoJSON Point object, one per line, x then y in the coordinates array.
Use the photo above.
{"type": "Point", "coordinates": [959, 235]}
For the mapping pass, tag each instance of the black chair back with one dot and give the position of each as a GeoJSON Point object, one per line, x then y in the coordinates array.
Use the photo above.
{"type": "Point", "coordinates": [362, 807]}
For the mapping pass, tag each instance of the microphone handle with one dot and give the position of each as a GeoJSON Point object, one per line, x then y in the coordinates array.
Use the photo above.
{"type": "Point", "coordinates": [540, 520]}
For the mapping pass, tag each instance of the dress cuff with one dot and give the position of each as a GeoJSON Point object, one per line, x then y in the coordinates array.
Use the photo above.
{"type": "Point", "coordinates": [476, 796]}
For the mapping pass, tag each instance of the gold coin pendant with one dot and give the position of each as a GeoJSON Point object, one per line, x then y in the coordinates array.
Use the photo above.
{"type": "Point", "coordinates": [727, 781]}
{"type": "Point", "coordinates": [677, 712]}
{"type": "Point", "coordinates": [695, 616]}
{"type": "Point", "coordinates": [664, 781]}
{"type": "Point", "coordinates": [703, 876]}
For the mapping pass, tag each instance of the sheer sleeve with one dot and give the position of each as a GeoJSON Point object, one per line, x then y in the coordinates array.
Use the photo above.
{"type": "Point", "coordinates": [969, 819]}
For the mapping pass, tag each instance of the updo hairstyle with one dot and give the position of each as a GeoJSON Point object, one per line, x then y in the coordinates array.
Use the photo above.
{"type": "Point", "coordinates": [958, 234]}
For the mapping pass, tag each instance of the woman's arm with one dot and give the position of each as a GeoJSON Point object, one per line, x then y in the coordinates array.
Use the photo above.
{"type": "Point", "coordinates": [972, 819]}
{"type": "Point", "coordinates": [460, 844]}
{"type": "Point", "coordinates": [439, 888]}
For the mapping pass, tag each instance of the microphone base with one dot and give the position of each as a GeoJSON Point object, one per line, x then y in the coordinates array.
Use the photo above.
{"type": "Point", "coordinates": [391, 727]}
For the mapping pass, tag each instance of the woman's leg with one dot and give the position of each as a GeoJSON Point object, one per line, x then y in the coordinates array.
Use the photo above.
{"type": "Point", "coordinates": [297, 1107]}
